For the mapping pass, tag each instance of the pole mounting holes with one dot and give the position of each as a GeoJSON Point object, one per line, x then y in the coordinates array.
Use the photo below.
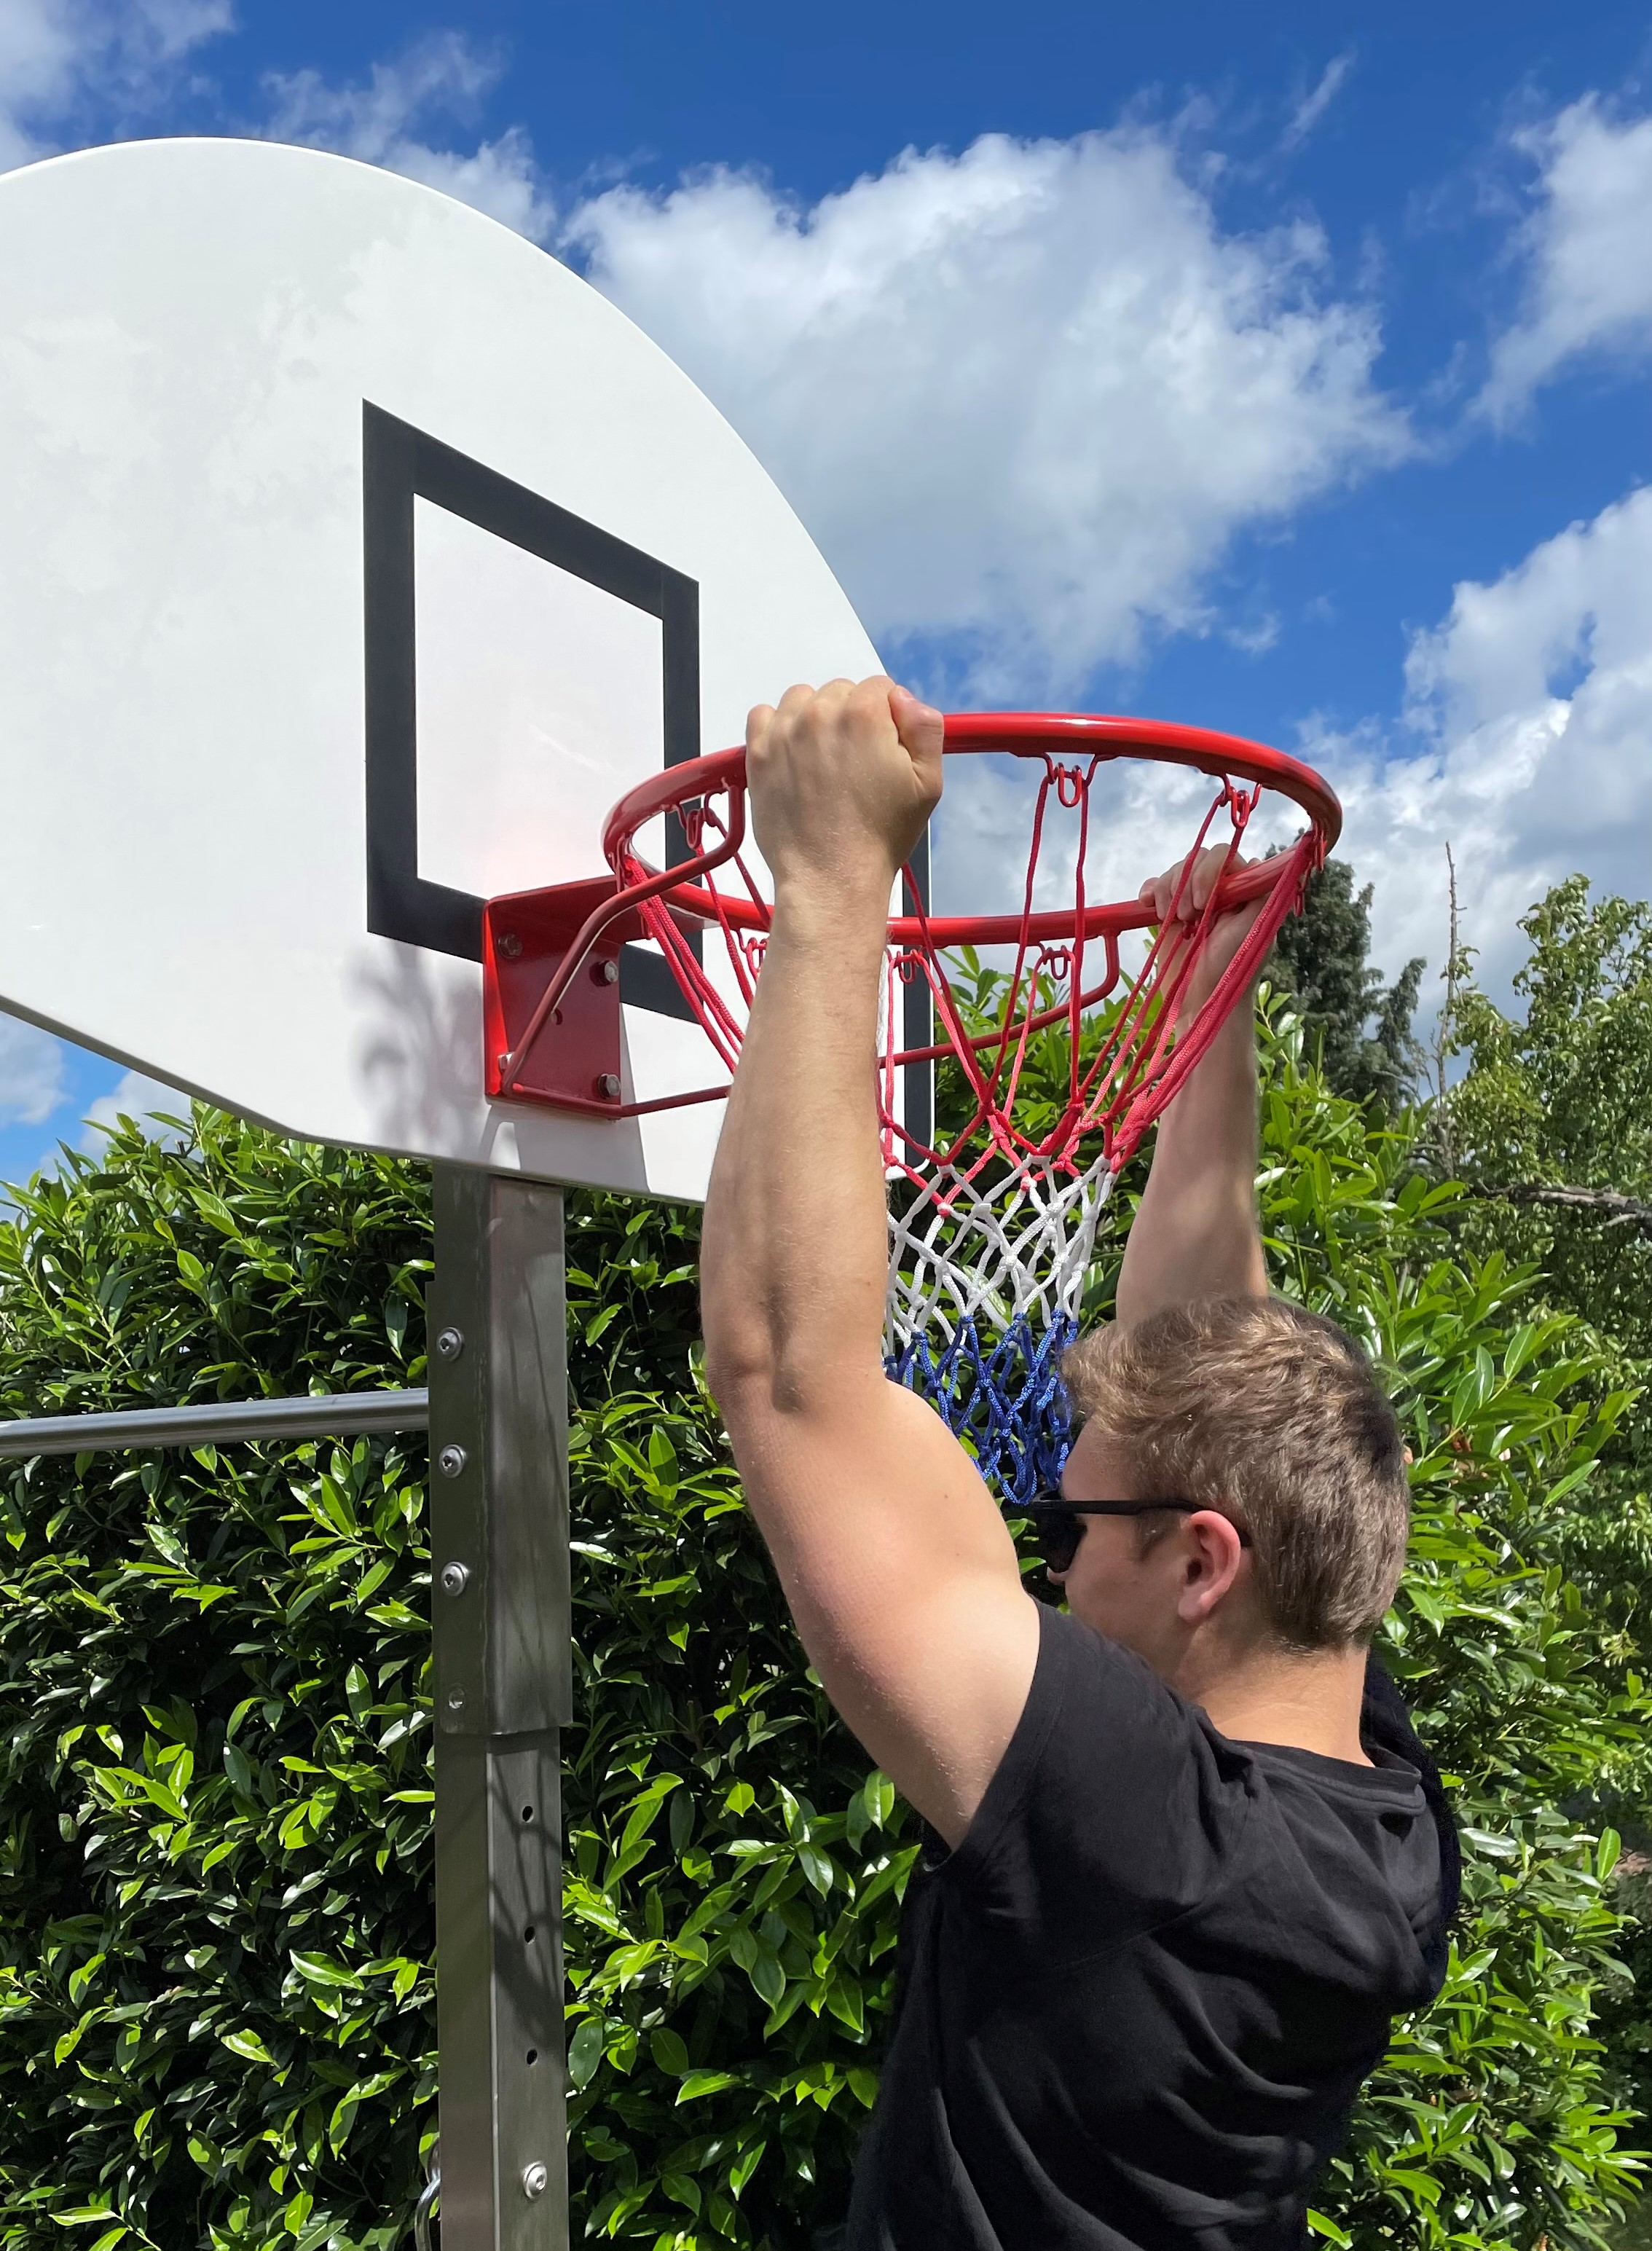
{"type": "Point", "coordinates": [528, 1936]}
{"type": "Point", "coordinates": [528, 1813]}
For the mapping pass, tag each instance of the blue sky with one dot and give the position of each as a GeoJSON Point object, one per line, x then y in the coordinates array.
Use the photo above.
{"type": "Point", "coordinates": [1291, 377]}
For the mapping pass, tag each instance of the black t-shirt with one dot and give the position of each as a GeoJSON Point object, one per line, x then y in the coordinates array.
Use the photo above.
{"type": "Point", "coordinates": [1139, 2000]}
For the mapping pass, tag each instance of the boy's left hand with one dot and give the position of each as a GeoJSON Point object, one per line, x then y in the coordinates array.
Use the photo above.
{"type": "Point", "coordinates": [1230, 930]}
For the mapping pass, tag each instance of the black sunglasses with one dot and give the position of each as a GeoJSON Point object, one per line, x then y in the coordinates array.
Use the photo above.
{"type": "Point", "coordinates": [1057, 1524]}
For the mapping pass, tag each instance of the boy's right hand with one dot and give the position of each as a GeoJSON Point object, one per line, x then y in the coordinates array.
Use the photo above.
{"type": "Point", "coordinates": [842, 779]}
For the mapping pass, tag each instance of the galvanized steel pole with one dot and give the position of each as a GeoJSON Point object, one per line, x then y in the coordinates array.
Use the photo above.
{"type": "Point", "coordinates": [319, 1415]}
{"type": "Point", "coordinates": [503, 1690]}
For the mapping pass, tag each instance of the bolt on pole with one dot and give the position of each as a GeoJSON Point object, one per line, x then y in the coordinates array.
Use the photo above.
{"type": "Point", "coordinates": [502, 1665]}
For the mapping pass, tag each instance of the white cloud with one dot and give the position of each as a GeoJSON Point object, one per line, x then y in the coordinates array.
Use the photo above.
{"type": "Point", "coordinates": [37, 70]}
{"type": "Point", "coordinates": [1027, 395]}
{"type": "Point", "coordinates": [63, 62]}
{"type": "Point", "coordinates": [1587, 248]}
{"type": "Point", "coordinates": [1313, 105]}
{"type": "Point", "coordinates": [33, 1078]}
{"type": "Point", "coordinates": [1532, 703]}
{"type": "Point", "coordinates": [136, 1097]}
{"type": "Point", "coordinates": [74, 70]}
{"type": "Point", "coordinates": [1534, 698]}
{"type": "Point", "coordinates": [375, 120]}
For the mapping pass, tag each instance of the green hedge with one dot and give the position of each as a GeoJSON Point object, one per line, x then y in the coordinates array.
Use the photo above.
{"type": "Point", "coordinates": [215, 2012]}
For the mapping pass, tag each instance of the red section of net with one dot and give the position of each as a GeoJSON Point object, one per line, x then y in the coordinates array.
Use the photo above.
{"type": "Point", "coordinates": [1119, 1081]}
{"type": "Point", "coordinates": [1062, 965]}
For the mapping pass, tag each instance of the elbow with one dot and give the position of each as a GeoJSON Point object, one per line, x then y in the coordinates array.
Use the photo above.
{"type": "Point", "coordinates": [744, 1367]}
{"type": "Point", "coordinates": [749, 1380]}
{"type": "Point", "coordinates": [741, 1355]}
{"type": "Point", "coordinates": [765, 1364]}
{"type": "Point", "coordinates": [738, 1372]}
{"type": "Point", "coordinates": [758, 1388]}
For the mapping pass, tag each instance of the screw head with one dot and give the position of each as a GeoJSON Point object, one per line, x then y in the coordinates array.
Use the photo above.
{"type": "Point", "coordinates": [502, 1063]}
{"type": "Point", "coordinates": [455, 1700]}
{"type": "Point", "coordinates": [536, 2180]}
{"type": "Point", "coordinates": [608, 1086]}
{"type": "Point", "coordinates": [451, 1460]}
{"type": "Point", "coordinates": [605, 971]}
{"type": "Point", "coordinates": [449, 1343]}
{"type": "Point", "coordinates": [455, 1579]}
{"type": "Point", "coordinates": [509, 945]}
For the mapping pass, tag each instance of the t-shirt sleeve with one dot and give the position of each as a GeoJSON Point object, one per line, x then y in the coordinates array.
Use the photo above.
{"type": "Point", "coordinates": [1113, 1800]}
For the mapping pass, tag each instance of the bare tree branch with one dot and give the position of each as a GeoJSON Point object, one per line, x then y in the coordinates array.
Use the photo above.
{"type": "Point", "coordinates": [1616, 1208]}
{"type": "Point", "coordinates": [1445, 1139]}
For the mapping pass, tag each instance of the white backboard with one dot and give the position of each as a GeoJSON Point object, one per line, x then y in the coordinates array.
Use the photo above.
{"type": "Point", "coordinates": [355, 557]}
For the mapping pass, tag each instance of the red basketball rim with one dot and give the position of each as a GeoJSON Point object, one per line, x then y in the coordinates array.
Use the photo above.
{"type": "Point", "coordinates": [709, 796]}
{"type": "Point", "coordinates": [1067, 737]}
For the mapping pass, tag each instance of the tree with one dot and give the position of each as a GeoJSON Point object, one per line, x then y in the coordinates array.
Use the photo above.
{"type": "Point", "coordinates": [1550, 1128]}
{"type": "Point", "coordinates": [1321, 957]}
{"type": "Point", "coordinates": [1552, 1122]}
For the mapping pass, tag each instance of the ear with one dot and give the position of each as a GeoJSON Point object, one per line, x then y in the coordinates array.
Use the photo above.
{"type": "Point", "coordinates": [1212, 1552]}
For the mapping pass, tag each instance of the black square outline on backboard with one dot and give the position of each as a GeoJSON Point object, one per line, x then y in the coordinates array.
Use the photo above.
{"type": "Point", "coordinates": [398, 464]}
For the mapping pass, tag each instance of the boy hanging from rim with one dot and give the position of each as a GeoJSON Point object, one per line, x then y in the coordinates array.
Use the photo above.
{"type": "Point", "coordinates": [1187, 1860]}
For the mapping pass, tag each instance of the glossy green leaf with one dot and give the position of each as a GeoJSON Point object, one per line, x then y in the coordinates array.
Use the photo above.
{"type": "Point", "coordinates": [584, 2050]}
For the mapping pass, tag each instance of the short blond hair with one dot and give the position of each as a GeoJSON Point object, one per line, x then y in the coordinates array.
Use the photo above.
{"type": "Point", "coordinates": [1274, 1416]}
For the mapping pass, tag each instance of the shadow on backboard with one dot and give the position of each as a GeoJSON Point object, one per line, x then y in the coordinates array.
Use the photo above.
{"type": "Point", "coordinates": [418, 1049]}
{"type": "Point", "coordinates": [416, 1067]}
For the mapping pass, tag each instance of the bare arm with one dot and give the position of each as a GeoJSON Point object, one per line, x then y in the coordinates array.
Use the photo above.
{"type": "Point", "coordinates": [1196, 1235]}
{"type": "Point", "coordinates": [894, 1557]}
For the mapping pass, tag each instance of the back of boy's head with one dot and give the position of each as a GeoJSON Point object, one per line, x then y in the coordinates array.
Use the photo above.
{"type": "Point", "coordinates": [1274, 1416]}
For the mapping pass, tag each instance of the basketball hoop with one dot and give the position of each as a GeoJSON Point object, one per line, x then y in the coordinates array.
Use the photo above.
{"type": "Point", "coordinates": [992, 1223]}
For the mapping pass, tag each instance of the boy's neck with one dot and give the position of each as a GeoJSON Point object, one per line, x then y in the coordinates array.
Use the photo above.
{"type": "Point", "coordinates": [1310, 1702]}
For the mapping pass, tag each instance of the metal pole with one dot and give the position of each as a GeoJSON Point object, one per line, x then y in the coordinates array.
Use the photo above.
{"type": "Point", "coordinates": [917, 1023]}
{"type": "Point", "coordinates": [500, 1617]}
{"type": "Point", "coordinates": [319, 1415]}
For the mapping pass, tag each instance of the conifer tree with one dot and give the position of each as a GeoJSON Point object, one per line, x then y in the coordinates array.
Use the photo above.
{"type": "Point", "coordinates": [1361, 1026]}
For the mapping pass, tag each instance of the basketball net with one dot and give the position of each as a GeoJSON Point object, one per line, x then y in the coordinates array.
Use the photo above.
{"type": "Point", "coordinates": [991, 1242]}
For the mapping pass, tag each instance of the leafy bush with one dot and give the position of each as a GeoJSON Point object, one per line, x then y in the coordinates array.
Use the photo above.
{"type": "Point", "coordinates": [215, 2002]}
{"type": "Point", "coordinates": [1492, 2121]}
{"type": "Point", "coordinates": [215, 2019]}
{"type": "Point", "coordinates": [216, 2026]}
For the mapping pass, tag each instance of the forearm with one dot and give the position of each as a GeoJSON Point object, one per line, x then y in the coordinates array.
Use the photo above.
{"type": "Point", "coordinates": [1196, 1233]}
{"type": "Point", "coordinates": [794, 1251]}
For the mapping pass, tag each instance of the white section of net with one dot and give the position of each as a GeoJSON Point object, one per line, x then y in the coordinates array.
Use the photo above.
{"type": "Point", "coordinates": [971, 1255]}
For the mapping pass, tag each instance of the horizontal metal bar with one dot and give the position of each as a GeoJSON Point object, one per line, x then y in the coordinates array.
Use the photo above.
{"type": "Point", "coordinates": [321, 1415]}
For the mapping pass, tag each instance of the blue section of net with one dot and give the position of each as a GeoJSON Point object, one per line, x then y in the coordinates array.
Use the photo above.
{"type": "Point", "coordinates": [1001, 1393]}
